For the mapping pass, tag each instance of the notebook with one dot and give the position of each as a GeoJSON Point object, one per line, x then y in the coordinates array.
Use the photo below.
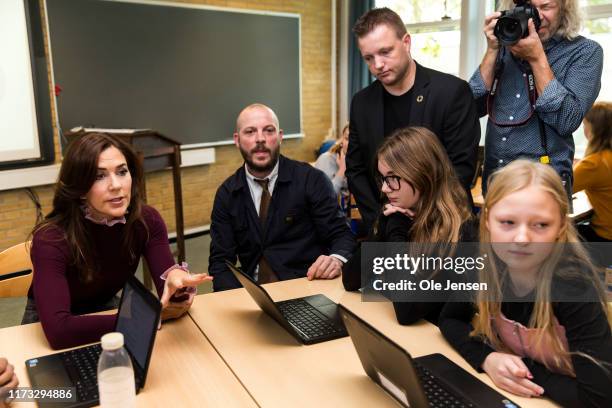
{"type": "Point", "coordinates": [310, 319]}
{"type": "Point", "coordinates": [429, 381]}
{"type": "Point", "coordinates": [138, 318]}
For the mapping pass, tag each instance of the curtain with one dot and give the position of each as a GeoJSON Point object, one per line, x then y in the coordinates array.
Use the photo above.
{"type": "Point", "coordinates": [359, 76]}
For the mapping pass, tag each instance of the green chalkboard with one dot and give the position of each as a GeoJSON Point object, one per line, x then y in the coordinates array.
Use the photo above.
{"type": "Point", "coordinates": [183, 70]}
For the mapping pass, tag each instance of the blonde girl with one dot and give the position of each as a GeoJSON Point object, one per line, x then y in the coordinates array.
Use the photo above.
{"type": "Point", "coordinates": [520, 332]}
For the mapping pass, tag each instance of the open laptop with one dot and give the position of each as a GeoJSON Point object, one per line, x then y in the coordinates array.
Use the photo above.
{"type": "Point", "coordinates": [310, 319]}
{"type": "Point", "coordinates": [138, 318]}
{"type": "Point", "coordinates": [429, 381]}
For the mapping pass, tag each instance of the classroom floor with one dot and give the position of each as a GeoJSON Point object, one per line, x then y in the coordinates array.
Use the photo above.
{"type": "Point", "coordinates": [197, 249]}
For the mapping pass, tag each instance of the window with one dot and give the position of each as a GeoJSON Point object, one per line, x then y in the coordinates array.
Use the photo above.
{"type": "Point", "coordinates": [597, 26]}
{"type": "Point", "coordinates": [434, 27]}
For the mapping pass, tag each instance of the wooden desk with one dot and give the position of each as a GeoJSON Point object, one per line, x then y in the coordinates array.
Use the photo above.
{"type": "Point", "coordinates": [276, 369]}
{"type": "Point", "coordinates": [279, 372]}
{"type": "Point", "coordinates": [582, 206]}
{"type": "Point", "coordinates": [185, 370]}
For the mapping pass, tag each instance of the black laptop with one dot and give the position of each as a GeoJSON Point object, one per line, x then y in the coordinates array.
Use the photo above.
{"type": "Point", "coordinates": [139, 314]}
{"type": "Point", "coordinates": [310, 319]}
{"type": "Point", "coordinates": [429, 381]}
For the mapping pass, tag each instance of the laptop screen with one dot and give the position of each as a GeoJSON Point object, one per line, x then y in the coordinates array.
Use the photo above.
{"type": "Point", "coordinates": [137, 321]}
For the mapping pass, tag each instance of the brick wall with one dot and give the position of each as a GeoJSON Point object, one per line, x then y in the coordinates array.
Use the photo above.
{"type": "Point", "coordinates": [18, 214]}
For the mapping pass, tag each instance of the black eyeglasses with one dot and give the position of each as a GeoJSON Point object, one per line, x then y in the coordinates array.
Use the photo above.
{"type": "Point", "coordinates": [393, 182]}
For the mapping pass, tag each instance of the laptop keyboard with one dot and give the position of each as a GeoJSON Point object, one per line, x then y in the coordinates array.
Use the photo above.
{"type": "Point", "coordinates": [307, 319]}
{"type": "Point", "coordinates": [436, 394]}
{"type": "Point", "coordinates": [82, 367]}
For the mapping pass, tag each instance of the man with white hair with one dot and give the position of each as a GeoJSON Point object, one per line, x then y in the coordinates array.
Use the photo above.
{"type": "Point", "coordinates": [537, 91]}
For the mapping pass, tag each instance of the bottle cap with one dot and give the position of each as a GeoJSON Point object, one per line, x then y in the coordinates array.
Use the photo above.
{"type": "Point", "coordinates": [112, 341]}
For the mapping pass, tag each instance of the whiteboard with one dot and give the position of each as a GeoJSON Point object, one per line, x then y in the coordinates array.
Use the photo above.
{"type": "Point", "coordinates": [26, 133]}
{"type": "Point", "coordinates": [18, 123]}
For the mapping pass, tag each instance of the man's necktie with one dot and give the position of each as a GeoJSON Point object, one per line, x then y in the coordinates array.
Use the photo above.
{"type": "Point", "coordinates": [266, 274]}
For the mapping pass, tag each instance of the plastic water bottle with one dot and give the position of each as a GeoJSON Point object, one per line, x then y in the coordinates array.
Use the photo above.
{"type": "Point", "coordinates": [115, 374]}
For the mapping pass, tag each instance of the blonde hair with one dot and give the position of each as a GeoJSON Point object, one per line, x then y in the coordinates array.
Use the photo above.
{"type": "Point", "coordinates": [338, 145]}
{"type": "Point", "coordinates": [517, 176]}
{"type": "Point", "coordinates": [417, 156]}
{"type": "Point", "coordinates": [570, 17]}
{"type": "Point", "coordinates": [600, 119]}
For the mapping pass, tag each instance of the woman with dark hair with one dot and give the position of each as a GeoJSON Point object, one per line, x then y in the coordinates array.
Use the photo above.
{"type": "Point", "coordinates": [91, 243]}
{"type": "Point", "coordinates": [424, 204]}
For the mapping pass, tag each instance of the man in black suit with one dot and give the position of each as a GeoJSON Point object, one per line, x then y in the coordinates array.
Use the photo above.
{"type": "Point", "coordinates": [404, 94]}
{"type": "Point", "coordinates": [278, 216]}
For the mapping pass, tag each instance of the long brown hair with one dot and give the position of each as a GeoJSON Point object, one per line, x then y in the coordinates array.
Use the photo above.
{"type": "Point", "coordinates": [516, 176]}
{"type": "Point", "coordinates": [76, 176]}
{"type": "Point", "coordinates": [600, 119]}
{"type": "Point", "coordinates": [417, 156]}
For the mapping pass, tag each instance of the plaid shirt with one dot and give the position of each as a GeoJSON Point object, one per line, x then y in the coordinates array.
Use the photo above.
{"type": "Point", "coordinates": [577, 66]}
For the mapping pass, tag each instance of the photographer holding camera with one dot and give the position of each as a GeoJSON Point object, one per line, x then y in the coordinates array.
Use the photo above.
{"type": "Point", "coordinates": [537, 80]}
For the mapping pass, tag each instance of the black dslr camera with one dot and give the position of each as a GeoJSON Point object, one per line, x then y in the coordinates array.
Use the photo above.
{"type": "Point", "coordinates": [512, 24]}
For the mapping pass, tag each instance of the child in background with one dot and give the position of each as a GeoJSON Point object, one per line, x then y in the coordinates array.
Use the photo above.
{"type": "Point", "coordinates": [594, 173]}
{"type": "Point", "coordinates": [519, 332]}
{"type": "Point", "coordinates": [333, 164]}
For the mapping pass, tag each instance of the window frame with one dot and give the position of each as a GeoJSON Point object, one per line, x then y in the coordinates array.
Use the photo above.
{"type": "Point", "coordinates": [470, 29]}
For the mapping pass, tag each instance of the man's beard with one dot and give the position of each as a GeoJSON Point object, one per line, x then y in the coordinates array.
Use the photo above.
{"type": "Point", "coordinates": [248, 158]}
{"type": "Point", "coordinates": [551, 32]}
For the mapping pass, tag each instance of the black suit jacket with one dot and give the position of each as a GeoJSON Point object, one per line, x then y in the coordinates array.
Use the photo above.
{"type": "Point", "coordinates": [442, 103]}
{"type": "Point", "coordinates": [304, 221]}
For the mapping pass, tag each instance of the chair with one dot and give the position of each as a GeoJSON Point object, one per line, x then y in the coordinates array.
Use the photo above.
{"type": "Point", "coordinates": [325, 146]}
{"type": "Point", "coordinates": [15, 271]}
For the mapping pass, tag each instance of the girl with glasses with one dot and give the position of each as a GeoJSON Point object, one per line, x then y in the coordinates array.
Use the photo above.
{"type": "Point", "coordinates": [424, 203]}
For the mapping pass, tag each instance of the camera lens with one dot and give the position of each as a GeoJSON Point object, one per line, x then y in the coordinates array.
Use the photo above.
{"type": "Point", "coordinates": [509, 30]}
{"type": "Point", "coordinates": [512, 25]}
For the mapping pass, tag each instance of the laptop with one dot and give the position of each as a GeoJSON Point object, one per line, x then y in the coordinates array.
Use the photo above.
{"type": "Point", "coordinates": [139, 314]}
{"type": "Point", "coordinates": [429, 381]}
{"type": "Point", "coordinates": [310, 319]}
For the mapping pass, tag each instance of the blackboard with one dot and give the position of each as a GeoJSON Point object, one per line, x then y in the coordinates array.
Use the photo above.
{"type": "Point", "coordinates": [181, 69]}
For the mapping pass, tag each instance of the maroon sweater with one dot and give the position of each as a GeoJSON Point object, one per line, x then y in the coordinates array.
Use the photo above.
{"type": "Point", "coordinates": [61, 296]}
